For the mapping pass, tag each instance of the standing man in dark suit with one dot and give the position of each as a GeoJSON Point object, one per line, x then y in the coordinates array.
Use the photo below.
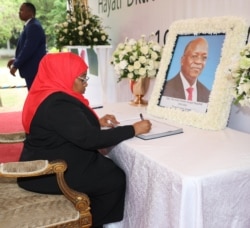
{"type": "Point", "coordinates": [185, 85]}
{"type": "Point", "coordinates": [31, 46]}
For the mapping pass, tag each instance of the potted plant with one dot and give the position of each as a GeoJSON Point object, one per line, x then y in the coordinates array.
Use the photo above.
{"type": "Point", "coordinates": [241, 76]}
{"type": "Point", "coordinates": [138, 61]}
{"type": "Point", "coordinates": [80, 28]}
{"type": "Point", "coordinates": [240, 110]}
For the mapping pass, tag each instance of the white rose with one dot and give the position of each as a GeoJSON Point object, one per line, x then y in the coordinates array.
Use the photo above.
{"type": "Point", "coordinates": [121, 55]}
{"type": "Point", "coordinates": [141, 42]}
{"type": "Point", "coordinates": [116, 52]}
{"type": "Point", "coordinates": [132, 58]}
{"type": "Point", "coordinates": [80, 33]}
{"type": "Point", "coordinates": [151, 65]}
{"type": "Point", "coordinates": [135, 55]}
{"type": "Point", "coordinates": [132, 42]}
{"type": "Point", "coordinates": [244, 63]}
{"type": "Point", "coordinates": [103, 37]}
{"type": "Point", "coordinates": [156, 47]}
{"type": "Point", "coordinates": [243, 77]}
{"type": "Point", "coordinates": [136, 72]}
{"type": "Point", "coordinates": [130, 68]}
{"type": "Point", "coordinates": [137, 65]}
{"type": "Point", "coordinates": [142, 59]}
{"type": "Point", "coordinates": [144, 50]}
{"type": "Point", "coordinates": [151, 73]}
{"type": "Point", "coordinates": [120, 46]}
{"type": "Point", "coordinates": [123, 64]}
{"type": "Point", "coordinates": [246, 87]}
{"type": "Point", "coordinates": [142, 71]}
{"type": "Point", "coordinates": [128, 48]}
{"type": "Point", "coordinates": [154, 55]}
{"type": "Point", "coordinates": [134, 47]}
{"type": "Point", "coordinates": [130, 75]}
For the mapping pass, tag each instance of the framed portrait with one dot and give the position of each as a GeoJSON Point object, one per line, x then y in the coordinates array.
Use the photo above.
{"type": "Point", "coordinates": [193, 86]}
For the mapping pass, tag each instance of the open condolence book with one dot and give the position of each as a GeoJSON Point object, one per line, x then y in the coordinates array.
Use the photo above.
{"type": "Point", "coordinates": [159, 129]}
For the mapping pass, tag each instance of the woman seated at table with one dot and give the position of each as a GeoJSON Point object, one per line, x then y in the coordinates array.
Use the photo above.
{"type": "Point", "coordinates": [59, 124]}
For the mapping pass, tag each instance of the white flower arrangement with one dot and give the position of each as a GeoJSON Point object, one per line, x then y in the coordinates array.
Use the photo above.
{"type": "Point", "coordinates": [241, 76]}
{"type": "Point", "coordinates": [81, 27]}
{"type": "Point", "coordinates": [134, 59]}
{"type": "Point", "coordinates": [220, 99]}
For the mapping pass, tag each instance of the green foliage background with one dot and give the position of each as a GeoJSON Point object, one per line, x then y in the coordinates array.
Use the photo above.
{"type": "Point", "coordinates": [48, 12]}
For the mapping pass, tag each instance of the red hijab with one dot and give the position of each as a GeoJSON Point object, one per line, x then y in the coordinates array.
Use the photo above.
{"type": "Point", "coordinates": [56, 72]}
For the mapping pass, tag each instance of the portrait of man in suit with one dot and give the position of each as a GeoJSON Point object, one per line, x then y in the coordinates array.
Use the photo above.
{"type": "Point", "coordinates": [186, 85]}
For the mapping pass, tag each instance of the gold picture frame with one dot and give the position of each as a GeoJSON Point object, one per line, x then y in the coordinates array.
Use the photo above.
{"type": "Point", "coordinates": [227, 36]}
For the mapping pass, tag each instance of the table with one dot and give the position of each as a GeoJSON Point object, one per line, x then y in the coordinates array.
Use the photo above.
{"type": "Point", "coordinates": [198, 179]}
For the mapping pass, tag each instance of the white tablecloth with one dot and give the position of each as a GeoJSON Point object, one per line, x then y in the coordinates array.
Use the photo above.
{"type": "Point", "coordinates": [198, 179]}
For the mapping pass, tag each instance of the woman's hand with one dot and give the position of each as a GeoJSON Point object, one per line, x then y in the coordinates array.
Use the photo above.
{"type": "Point", "coordinates": [142, 127]}
{"type": "Point", "coordinates": [108, 121]}
{"type": "Point", "coordinates": [105, 151]}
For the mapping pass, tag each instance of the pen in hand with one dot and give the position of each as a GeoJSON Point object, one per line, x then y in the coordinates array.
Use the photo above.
{"type": "Point", "coordinates": [141, 116]}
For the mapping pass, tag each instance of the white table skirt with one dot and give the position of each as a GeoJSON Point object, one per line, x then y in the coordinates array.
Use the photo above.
{"type": "Point", "coordinates": [198, 179]}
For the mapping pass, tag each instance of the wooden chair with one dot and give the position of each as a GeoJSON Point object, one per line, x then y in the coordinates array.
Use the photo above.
{"type": "Point", "coordinates": [20, 208]}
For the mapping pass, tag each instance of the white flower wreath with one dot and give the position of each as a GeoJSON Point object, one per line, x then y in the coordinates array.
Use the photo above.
{"type": "Point", "coordinates": [241, 75]}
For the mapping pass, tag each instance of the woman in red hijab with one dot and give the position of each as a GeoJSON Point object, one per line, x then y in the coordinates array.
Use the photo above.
{"type": "Point", "coordinates": [59, 124]}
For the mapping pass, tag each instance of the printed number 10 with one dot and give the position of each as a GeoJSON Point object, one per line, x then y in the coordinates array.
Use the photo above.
{"type": "Point", "coordinates": [157, 33]}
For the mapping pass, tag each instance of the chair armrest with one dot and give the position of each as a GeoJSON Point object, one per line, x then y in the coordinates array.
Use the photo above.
{"type": "Point", "coordinates": [43, 167]}
{"type": "Point", "coordinates": [25, 169]}
{"type": "Point", "coordinates": [12, 137]}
